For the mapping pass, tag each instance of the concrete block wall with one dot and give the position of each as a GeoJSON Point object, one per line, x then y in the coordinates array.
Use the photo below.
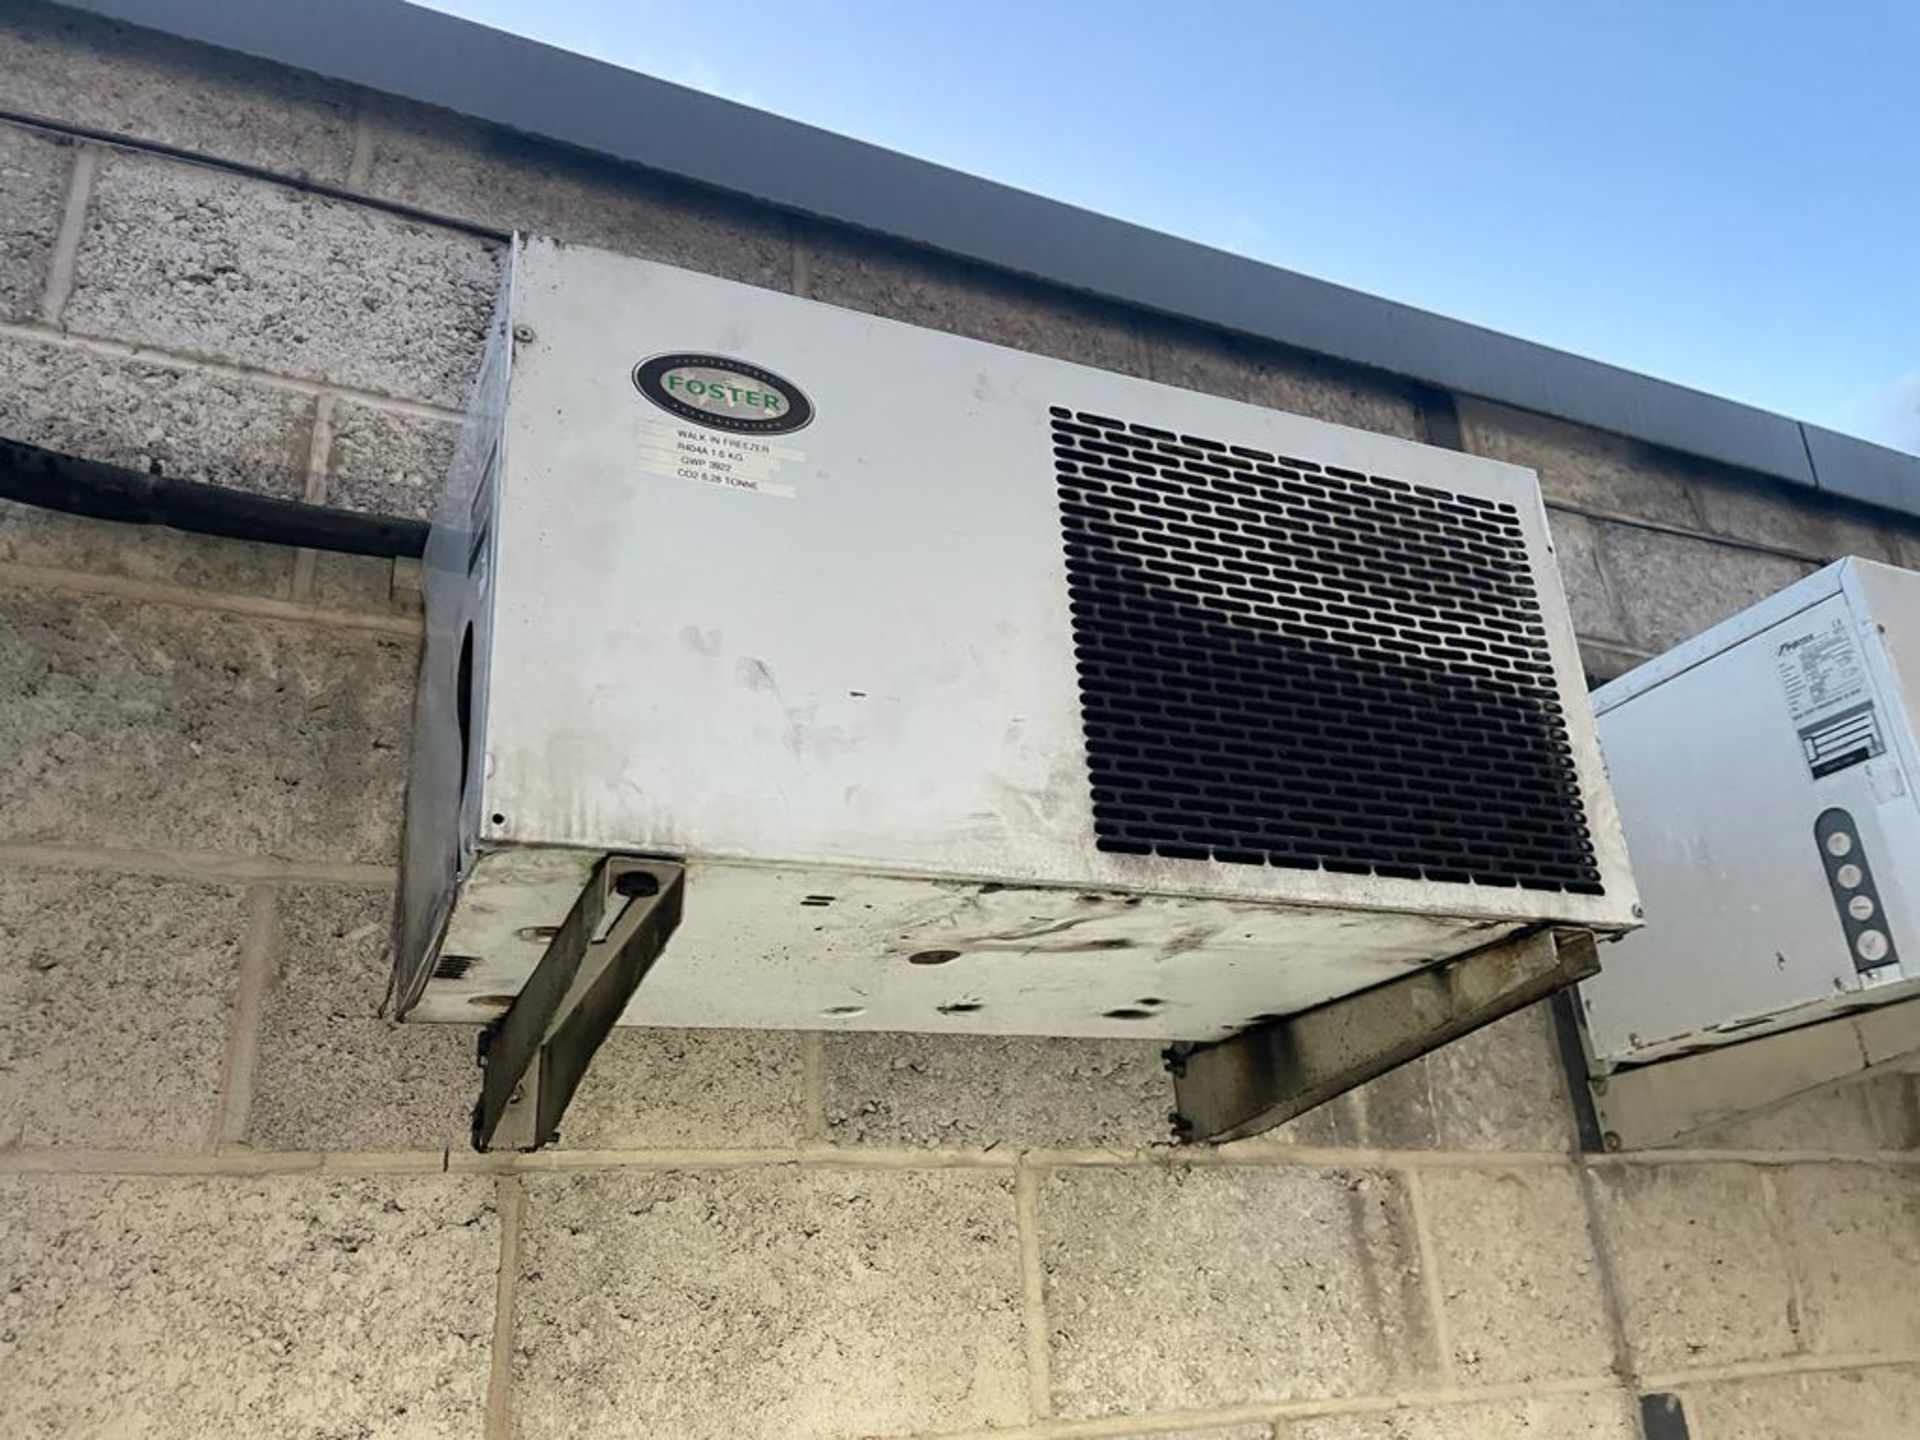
{"type": "Point", "coordinates": [235, 1201]}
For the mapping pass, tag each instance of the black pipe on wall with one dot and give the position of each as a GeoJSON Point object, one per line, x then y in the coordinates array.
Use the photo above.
{"type": "Point", "coordinates": [50, 480]}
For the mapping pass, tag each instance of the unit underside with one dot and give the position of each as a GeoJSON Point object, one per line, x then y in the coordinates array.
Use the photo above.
{"type": "Point", "coordinates": [769, 947]}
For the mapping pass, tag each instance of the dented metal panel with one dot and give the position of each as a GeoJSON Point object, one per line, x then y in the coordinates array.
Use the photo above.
{"type": "Point", "coordinates": [869, 659]}
{"type": "Point", "coordinates": [768, 947]}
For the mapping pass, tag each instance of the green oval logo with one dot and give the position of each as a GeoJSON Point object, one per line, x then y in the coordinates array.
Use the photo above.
{"type": "Point", "coordinates": [723, 394]}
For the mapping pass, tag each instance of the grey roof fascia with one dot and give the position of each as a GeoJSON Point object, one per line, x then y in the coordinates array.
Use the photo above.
{"type": "Point", "coordinates": [551, 94]}
{"type": "Point", "coordinates": [1860, 470]}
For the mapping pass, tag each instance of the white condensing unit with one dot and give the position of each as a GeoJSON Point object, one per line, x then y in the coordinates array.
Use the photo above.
{"type": "Point", "coordinates": [849, 675]}
{"type": "Point", "coordinates": [1766, 773]}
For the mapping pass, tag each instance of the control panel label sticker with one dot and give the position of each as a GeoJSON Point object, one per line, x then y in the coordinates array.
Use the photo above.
{"type": "Point", "coordinates": [1841, 741]}
{"type": "Point", "coordinates": [1824, 677]}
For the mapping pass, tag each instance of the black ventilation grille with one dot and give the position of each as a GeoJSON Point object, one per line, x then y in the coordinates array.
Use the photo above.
{"type": "Point", "coordinates": [1283, 663]}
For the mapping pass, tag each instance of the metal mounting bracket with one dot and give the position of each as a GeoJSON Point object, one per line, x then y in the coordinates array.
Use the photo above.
{"type": "Point", "coordinates": [1673, 1101]}
{"type": "Point", "coordinates": [1250, 1082]}
{"type": "Point", "coordinates": [533, 1057]}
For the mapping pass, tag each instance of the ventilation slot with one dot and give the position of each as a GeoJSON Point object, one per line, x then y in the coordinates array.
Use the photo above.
{"type": "Point", "coordinates": [1288, 664]}
{"type": "Point", "coordinates": [453, 967]}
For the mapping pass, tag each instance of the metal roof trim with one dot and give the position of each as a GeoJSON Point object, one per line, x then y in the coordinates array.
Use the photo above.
{"type": "Point", "coordinates": [1860, 470]}
{"type": "Point", "coordinates": [554, 95]}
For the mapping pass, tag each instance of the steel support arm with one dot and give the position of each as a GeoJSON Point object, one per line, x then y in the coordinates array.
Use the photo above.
{"type": "Point", "coordinates": [533, 1057]}
{"type": "Point", "coordinates": [1228, 1089]}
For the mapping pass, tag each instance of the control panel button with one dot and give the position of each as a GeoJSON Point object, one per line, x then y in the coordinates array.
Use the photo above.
{"type": "Point", "coordinates": [1856, 899]}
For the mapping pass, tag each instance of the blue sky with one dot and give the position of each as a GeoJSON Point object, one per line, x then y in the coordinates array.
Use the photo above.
{"type": "Point", "coordinates": [1725, 193]}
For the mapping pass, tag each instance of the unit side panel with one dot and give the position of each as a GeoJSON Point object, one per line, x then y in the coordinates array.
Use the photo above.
{"type": "Point", "coordinates": [1889, 601]}
{"type": "Point", "coordinates": [445, 769]}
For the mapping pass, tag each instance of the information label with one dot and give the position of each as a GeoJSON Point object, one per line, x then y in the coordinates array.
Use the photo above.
{"type": "Point", "coordinates": [730, 462]}
{"type": "Point", "coordinates": [1824, 677]}
{"type": "Point", "coordinates": [1821, 671]}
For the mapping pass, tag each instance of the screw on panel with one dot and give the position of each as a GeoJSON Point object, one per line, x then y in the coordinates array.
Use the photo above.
{"type": "Point", "coordinates": [523, 333]}
{"type": "Point", "coordinates": [1611, 1140]}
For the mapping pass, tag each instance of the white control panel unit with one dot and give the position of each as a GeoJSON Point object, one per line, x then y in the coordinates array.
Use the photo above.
{"type": "Point", "coordinates": [1766, 776]}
